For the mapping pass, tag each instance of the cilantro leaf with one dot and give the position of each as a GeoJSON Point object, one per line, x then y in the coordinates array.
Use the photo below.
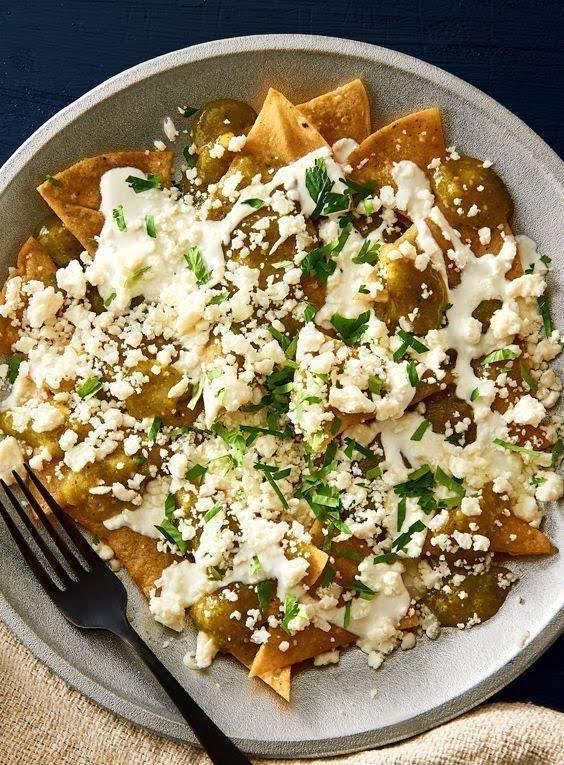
{"type": "Point", "coordinates": [351, 330]}
{"type": "Point", "coordinates": [143, 184]}
{"type": "Point", "coordinates": [196, 264]}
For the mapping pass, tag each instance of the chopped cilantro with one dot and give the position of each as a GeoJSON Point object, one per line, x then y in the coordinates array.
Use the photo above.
{"type": "Point", "coordinates": [110, 299]}
{"type": "Point", "coordinates": [545, 314]}
{"type": "Point", "coordinates": [375, 384]}
{"type": "Point", "coordinates": [52, 180]}
{"type": "Point", "coordinates": [374, 472]}
{"type": "Point", "coordinates": [170, 506]}
{"type": "Point", "coordinates": [254, 203]}
{"type": "Point", "coordinates": [195, 262]}
{"type": "Point", "coordinates": [351, 330]}
{"type": "Point", "coordinates": [557, 451]}
{"type": "Point", "coordinates": [526, 375]}
{"type": "Point", "coordinates": [515, 448]}
{"type": "Point", "coordinates": [401, 542]}
{"type": "Point", "coordinates": [320, 262]}
{"type": "Point", "coordinates": [217, 299]}
{"type": "Point", "coordinates": [154, 429]}
{"type": "Point", "coordinates": [291, 610]}
{"type": "Point", "coordinates": [318, 184]}
{"type": "Point", "coordinates": [328, 576]}
{"type": "Point", "coordinates": [212, 513]}
{"type": "Point", "coordinates": [352, 446]}
{"type": "Point", "coordinates": [309, 313]}
{"type": "Point", "coordinates": [359, 190]}
{"type": "Point", "coordinates": [255, 565]}
{"type": "Point", "coordinates": [502, 354]}
{"type": "Point", "coordinates": [139, 459]}
{"type": "Point", "coordinates": [420, 431]}
{"type": "Point", "coordinates": [475, 394]}
{"type": "Point", "coordinates": [409, 341]}
{"type": "Point", "coordinates": [191, 159]}
{"type": "Point", "coordinates": [385, 558]}
{"type": "Point", "coordinates": [412, 375]}
{"type": "Point", "coordinates": [365, 592]}
{"type": "Point", "coordinates": [265, 591]}
{"type": "Point", "coordinates": [215, 573]}
{"type": "Point", "coordinates": [89, 388]}
{"type": "Point", "coordinates": [136, 276]}
{"type": "Point", "coordinates": [172, 535]}
{"type": "Point", "coordinates": [402, 505]}
{"type": "Point", "coordinates": [150, 226]}
{"type": "Point", "coordinates": [347, 616]}
{"type": "Point", "coordinates": [537, 480]}
{"type": "Point", "coordinates": [232, 438]}
{"type": "Point", "coordinates": [14, 368]}
{"type": "Point", "coordinates": [335, 203]}
{"type": "Point", "coordinates": [450, 482]}
{"type": "Point", "coordinates": [189, 111]}
{"type": "Point", "coordinates": [195, 472]}
{"type": "Point", "coordinates": [143, 184]}
{"type": "Point", "coordinates": [119, 218]}
{"type": "Point", "coordinates": [272, 475]}
{"type": "Point", "coordinates": [368, 253]}
{"type": "Point", "coordinates": [363, 290]}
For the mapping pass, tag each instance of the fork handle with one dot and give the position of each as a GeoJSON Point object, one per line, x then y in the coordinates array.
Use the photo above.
{"type": "Point", "coordinates": [220, 749]}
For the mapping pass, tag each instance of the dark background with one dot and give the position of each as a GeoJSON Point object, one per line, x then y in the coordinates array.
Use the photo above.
{"type": "Point", "coordinates": [52, 51]}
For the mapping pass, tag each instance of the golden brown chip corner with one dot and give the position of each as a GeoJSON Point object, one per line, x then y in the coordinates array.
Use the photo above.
{"type": "Point", "coordinates": [417, 137]}
{"type": "Point", "coordinates": [75, 194]}
{"type": "Point", "coordinates": [32, 263]}
{"type": "Point", "coordinates": [341, 113]}
{"type": "Point", "coordinates": [281, 134]}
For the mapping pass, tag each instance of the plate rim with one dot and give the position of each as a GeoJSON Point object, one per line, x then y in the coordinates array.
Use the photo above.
{"type": "Point", "coordinates": [553, 167]}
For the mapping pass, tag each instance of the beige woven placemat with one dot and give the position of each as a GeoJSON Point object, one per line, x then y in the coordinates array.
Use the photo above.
{"type": "Point", "coordinates": [44, 722]}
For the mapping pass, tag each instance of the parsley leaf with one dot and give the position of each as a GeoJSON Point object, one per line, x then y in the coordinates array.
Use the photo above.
{"type": "Point", "coordinates": [319, 262]}
{"type": "Point", "coordinates": [217, 299]}
{"type": "Point", "coordinates": [409, 341]}
{"type": "Point", "coordinates": [195, 472]}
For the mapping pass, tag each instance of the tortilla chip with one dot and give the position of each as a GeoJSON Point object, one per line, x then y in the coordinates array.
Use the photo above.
{"type": "Point", "coordinates": [342, 113]}
{"type": "Point", "coordinates": [281, 134]}
{"type": "Point", "coordinates": [408, 622]}
{"type": "Point", "coordinates": [508, 534]}
{"type": "Point", "coordinates": [516, 537]}
{"type": "Point", "coordinates": [279, 680]}
{"type": "Point", "coordinates": [76, 196]}
{"type": "Point", "coordinates": [137, 553]}
{"type": "Point", "coordinates": [317, 561]}
{"type": "Point", "coordinates": [305, 645]}
{"type": "Point", "coordinates": [417, 137]}
{"type": "Point", "coordinates": [32, 263]}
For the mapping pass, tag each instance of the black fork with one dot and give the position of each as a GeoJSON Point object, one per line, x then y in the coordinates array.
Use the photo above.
{"type": "Point", "coordinates": [92, 597]}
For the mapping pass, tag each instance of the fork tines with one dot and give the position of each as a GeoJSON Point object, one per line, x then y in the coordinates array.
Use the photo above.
{"type": "Point", "coordinates": [68, 551]}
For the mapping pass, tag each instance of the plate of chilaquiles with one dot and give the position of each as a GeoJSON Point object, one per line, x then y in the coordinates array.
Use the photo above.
{"type": "Point", "coordinates": [292, 373]}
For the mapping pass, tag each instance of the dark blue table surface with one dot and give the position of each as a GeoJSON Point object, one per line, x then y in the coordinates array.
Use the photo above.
{"type": "Point", "coordinates": [54, 51]}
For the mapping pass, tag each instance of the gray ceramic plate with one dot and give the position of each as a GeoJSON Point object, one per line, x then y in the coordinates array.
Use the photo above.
{"type": "Point", "coordinates": [332, 710]}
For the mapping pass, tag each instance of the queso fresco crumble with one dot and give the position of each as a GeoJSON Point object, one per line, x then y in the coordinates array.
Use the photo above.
{"type": "Point", "coordinates": [302, 391]}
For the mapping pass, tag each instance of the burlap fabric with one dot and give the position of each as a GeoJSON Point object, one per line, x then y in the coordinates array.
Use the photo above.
{"type": "Point", "coordinates": [44, 722]}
